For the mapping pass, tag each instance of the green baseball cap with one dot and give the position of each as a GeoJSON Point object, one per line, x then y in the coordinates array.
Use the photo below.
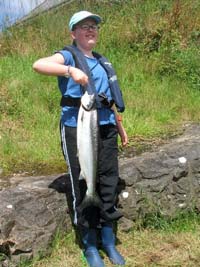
{"type": "Point", "coordinates": [81, 15]}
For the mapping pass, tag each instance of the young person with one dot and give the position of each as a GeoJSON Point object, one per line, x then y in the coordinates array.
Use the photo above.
{"type": "Point", "coordinates": [84, 27]}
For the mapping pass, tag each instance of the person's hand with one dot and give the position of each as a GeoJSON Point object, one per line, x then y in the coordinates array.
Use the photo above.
{"type": "Point", "coordinates": [78, 76]}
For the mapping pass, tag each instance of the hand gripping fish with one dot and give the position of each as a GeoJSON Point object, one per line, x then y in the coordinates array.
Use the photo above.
{"type": "Point", "coordinates": [87, 147]}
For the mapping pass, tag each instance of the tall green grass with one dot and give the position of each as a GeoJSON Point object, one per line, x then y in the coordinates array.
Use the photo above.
{"type": "Point", "coordinates": [154, 46]}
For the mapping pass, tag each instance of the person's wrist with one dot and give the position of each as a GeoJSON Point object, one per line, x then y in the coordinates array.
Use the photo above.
{"type": "Point", "coordinates": [68, 73]}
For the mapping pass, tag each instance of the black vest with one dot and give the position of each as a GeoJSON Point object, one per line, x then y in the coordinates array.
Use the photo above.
{"type": "Point", "coordinates": [81, 63]}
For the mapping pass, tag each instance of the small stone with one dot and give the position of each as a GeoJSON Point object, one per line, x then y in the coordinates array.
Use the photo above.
{"type": "Point", "coordinates": [125, 194]}
{"type": "Point", "coordinates": [182, 160]}
{"type": "Point", "coordinates": [182, 205]}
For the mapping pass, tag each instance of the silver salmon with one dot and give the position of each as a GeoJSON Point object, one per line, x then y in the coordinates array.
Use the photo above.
{"type": "Point", "coordinates": [87, 147]}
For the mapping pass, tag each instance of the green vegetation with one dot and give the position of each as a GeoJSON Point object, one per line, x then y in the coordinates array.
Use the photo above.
{"type": "Point", "coordinates": [154, 46]}
{"type": "Point", "coordinates": [152, 242]}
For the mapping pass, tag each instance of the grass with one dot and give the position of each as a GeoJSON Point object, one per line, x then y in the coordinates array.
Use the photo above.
{"type": "Point", "coordinates": [155, 242]}
{"type": "Point", "coordinates": [154, 50]}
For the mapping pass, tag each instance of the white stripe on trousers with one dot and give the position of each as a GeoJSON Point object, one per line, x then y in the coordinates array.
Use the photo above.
{"type": "Point", "coordinates": [64, 146]}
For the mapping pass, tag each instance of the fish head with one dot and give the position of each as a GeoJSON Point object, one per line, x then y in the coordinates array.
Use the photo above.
{"type": "Point", "coordinates": [88, 101]}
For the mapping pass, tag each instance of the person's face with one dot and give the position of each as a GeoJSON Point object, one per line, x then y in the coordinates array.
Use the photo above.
{"type": "Point", "coordinates": [85, 34]}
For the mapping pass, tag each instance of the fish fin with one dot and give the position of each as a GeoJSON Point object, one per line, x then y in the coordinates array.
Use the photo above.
{"type": "Point", "coordinates": [81, 177]}
{"type": "Point", "coordinates": [90, 201]}
{"type": "Point", "coordinates": [82, 116]}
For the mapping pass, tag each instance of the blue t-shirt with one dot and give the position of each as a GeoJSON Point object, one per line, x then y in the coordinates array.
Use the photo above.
{"type": "Point", "coordinates": [68, 87]}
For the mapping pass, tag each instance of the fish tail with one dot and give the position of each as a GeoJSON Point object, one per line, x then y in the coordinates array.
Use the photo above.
{"type": "Point", "coordinates": [90, 201]}
{"type": "Point", "coordinates": [95, 201]}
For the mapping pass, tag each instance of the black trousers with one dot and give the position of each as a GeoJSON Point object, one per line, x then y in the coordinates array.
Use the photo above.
{"type": "Point", "coordinates": [107, 177]}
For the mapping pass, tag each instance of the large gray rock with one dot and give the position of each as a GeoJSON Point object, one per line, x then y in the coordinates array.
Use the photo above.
{"type": "Point", "coordinates": [165, 180]}
{"type": "Point", "coordinates": [30, 215]}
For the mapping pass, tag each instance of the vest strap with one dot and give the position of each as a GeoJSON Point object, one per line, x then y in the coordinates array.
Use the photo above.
{"type": "Point", "coordinates": [76, 102]}
{"type": "Point", "coordinates": [70, 102]}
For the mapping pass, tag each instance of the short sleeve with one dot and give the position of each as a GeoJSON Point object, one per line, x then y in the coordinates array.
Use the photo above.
{"type": "Point", "coordinates": [67, 57]}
